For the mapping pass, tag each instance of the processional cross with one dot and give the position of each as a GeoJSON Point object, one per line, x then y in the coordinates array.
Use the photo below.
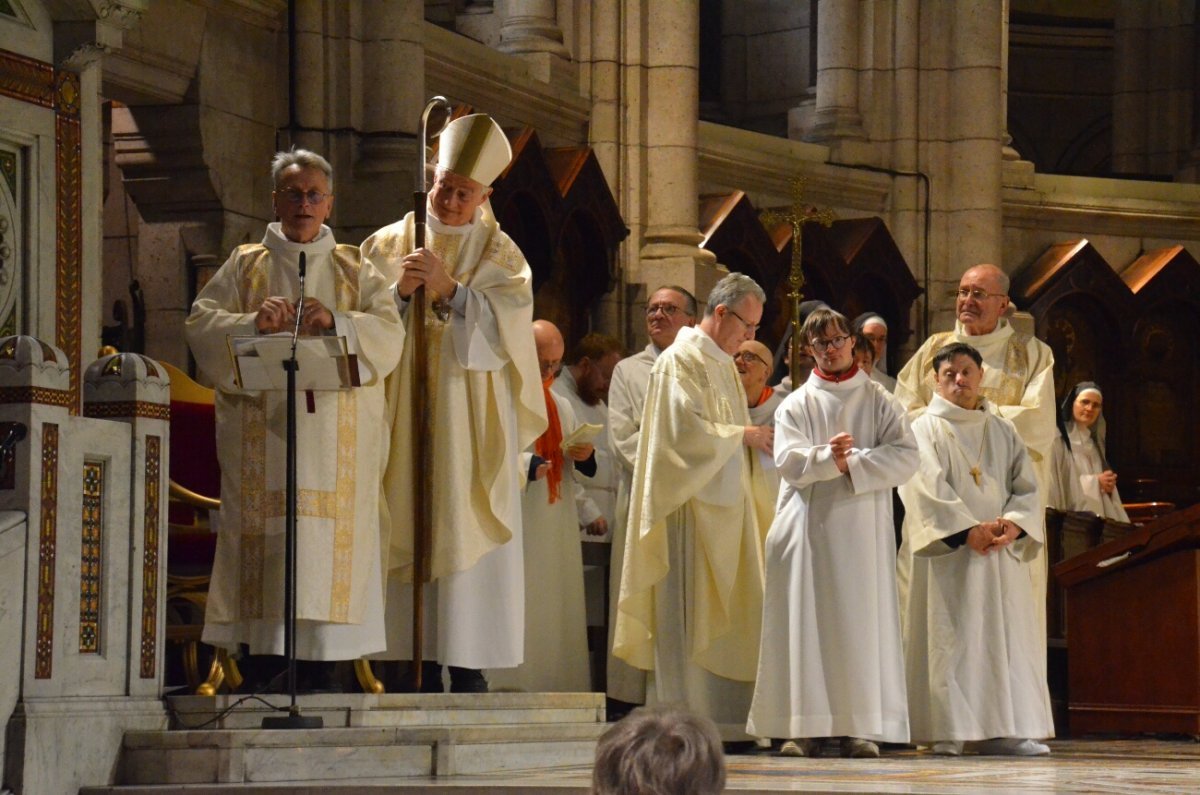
{"type": "Point", "coordinates": [799, 215]}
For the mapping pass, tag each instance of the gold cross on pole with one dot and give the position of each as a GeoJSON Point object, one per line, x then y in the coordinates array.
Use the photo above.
{"type": "Point", "coordinates": [799, 215]}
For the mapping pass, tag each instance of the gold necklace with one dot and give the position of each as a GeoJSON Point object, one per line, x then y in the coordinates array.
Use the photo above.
{"type": "Point", "coordinates": [975, 471]}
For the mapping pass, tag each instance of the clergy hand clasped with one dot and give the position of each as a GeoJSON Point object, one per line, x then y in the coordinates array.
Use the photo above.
{"type": "Point", "coordinates": [840, 446]}
{"type": "Point", "coordinates": [759, 437]}
{"type": "Point", "coordinates": [987, 537]}
{"type": "Point", "coordinates": [424, 267]}
{"type": "Point", "coordinates": [279, 314]}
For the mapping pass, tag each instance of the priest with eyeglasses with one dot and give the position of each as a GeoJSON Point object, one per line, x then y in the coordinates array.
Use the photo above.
{"type": "Point", "coordinates": [1018, 382]}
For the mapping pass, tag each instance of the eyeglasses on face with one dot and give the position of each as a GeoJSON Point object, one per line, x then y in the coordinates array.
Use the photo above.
{"type": "Point", "coordinates": [837, 343]}
{"type": "Point", "coordinates": [751, 327]}
{"type": "Point", "coordinates": [670, 310]}
{"type": "Point", "coordinates": [976, 294]}
{"type": "Point", "coordinates": [748, 357]}
{"type": "Point", "coordinates": [299, 197]}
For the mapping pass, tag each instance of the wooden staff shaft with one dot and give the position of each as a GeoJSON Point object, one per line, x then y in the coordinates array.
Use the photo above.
{"type": "Point", "coordinates": [422, 457]}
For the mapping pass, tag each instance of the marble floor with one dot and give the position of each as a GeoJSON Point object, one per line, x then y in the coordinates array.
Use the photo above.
{"type": "Point", "coordinates": [1125, 766]}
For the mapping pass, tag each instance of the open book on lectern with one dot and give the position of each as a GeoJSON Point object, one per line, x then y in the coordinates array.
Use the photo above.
{"type": "Point", "coordinates": [325, 364]}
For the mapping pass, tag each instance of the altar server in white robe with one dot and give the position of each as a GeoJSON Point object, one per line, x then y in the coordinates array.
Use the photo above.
{"type": "Point", "coordinates": [1018, 382]}
{"type": "Point", "coordinates": [974, 523]}
{"type": "Point", "coordinates": [753, 361]}
{"type": "Point", "coordinates": [691, 592]}
{"type": "Point", "coordinates": [831, 663]}
{"type": "Point", "coordinates": [487, 406]}
{"type": "Point", "coordinates": [340, 455]}
{"type": "Point", "coordinates": [669, 309]}
{"type": "Point", "coordinates": [584, 383]}
{"type": "Point", "coordinates": [556, 653]}
{"type": "Point", "coordinates": [1083, 479]}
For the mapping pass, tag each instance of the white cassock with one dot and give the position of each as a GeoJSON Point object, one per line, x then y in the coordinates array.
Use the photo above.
{"type": "Point", "coordinates": [487, 405]}
{"type": "Point", "coordinates": [1076, 482]}
{"type": "Point", "coordinates": [1018, 383]}
{"type": "Point", "coordinates": [339, 459]}
{"type": "Point", "coordinates": [626, 399]}
{"type": "Point", "coordinates": [831, 662]}
{"type": "Point", "coordinates": [883, 379]}
{"type": "Point", "coordinates": [973, 643]}
{"type": "Point", "coordinates": [597, 495]}
{"type": "Point", "coordinates": [763, 473]}
{"type": "Point", "coordinates": [690, 607]}
{"type": "Point", "coordinates": [556, 654]}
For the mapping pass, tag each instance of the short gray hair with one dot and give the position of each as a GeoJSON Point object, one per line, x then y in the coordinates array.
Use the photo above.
{"type": "Point", "coordinates": [731, 289]}
{"type": "Point", "coordinates": [659, 750]}
{"type": "Point", "coordinates": [303, 158]}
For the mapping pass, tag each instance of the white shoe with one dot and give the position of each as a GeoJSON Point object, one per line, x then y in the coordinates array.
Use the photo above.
{"type": "Point", "coordinates": [856, 748]}
{"type": "Point", "coordinates": [802, 747]}
{"type": "Point", "coordinates": [947, 748]}
{"type": "Point", "coordinates": [1012, 746]}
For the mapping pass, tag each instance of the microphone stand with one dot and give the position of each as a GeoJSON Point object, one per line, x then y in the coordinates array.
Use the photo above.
{"type": "Point", "coordinates": [293, 720]}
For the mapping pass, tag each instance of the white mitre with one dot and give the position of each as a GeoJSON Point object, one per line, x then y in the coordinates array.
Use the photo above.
{"type": "Point", "coordinates": [474, 147]}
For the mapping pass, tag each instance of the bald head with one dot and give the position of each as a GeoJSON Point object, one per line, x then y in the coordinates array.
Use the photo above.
{"type": "Point", "coordinates": [753, 360]}
{"type": "Point", "coordinates": [982, 299]}
{"type": "Point", "coordinates": [549, 343]}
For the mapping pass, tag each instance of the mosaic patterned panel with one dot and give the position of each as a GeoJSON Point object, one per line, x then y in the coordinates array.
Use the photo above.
{"type": "Point", "coordinates": [150, 543]}
{"type": "Point", "coordinates": [127, 409]}
{"type": "Point", "coordinates": [47, 548]}
{"type": "Point", "coordinates": [26, 79]}
{"type": "Point", "coordinates": [91, 558]}
{"type": "Point", "coordinates": [68, 292]}
{"type": "Point", "coordinates": [34, 394]}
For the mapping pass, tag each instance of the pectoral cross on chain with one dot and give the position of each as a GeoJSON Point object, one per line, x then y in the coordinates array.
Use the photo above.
{"type": "Point", "coordinates": [799, 215]}
{"type": "Point", "coordinates": [975, 473]}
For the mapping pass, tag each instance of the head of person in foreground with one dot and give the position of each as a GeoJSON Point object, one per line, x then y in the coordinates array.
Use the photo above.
{"type": "Point", "coordinates": [660, 751]}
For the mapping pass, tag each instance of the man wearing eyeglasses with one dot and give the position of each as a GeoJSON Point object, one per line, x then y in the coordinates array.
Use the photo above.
{"type": "Point", "coordinates": [669, 309]}
{"type": "Point", "coordinates": [831, 662]}
{"type": "Point", "coordinates": [486, 398]}
{"type": "Point", "coordinates": [1018, 382]}
{"type": "Point", "coordinates": [691, 593]}
{"type": "Point", "coordinates": [340, 602]}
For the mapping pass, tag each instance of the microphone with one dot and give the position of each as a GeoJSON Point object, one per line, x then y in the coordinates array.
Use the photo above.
{"type": "Point", "coordinates": [299, 304]}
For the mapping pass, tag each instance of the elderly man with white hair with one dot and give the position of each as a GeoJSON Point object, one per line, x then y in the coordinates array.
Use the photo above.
{"type": "Point", "coordinates": [486, 398]}
{"type": "Point", "coordinates": [691, 590]}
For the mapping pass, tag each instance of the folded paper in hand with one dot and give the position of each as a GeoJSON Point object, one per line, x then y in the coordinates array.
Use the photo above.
{"type": "Point", "coordinates": [584, 434]}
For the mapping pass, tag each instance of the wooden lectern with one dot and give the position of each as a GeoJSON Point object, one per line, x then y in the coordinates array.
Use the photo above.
{"type": "Point", "coordinates": [1133, 626]}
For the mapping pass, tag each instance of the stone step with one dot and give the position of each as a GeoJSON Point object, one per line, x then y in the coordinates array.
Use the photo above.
{"type": "Point", "coordinates": [360, 755]}
{"type": "Point", "coordinates": [345, 710]}
{"type": "Point", "coordinates": [377, 741]}
{"type": "Point", "coordinates": [399, 787]}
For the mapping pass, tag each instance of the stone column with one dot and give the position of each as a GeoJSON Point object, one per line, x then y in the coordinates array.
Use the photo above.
{"type": "Point", "coordinates": [529, 30]}
{"type": "Point", "coordinates": [670, 250]}
{"type": "Point", "coordinates": [836, 119]}
{"type": "Point", "coordinates": [393, 86]}
{"type": "Point", "coordinates": [531, 26]}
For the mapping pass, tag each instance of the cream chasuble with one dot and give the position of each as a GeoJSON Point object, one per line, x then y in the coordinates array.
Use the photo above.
{"type": "Point", "coordinates": [556, 653]}
{"type": "Point", "coordinates": [1018, 382]}
{"type": "Point", "coordinates": [339, 605]}
{"type": "Point", "coordinates": [973, 646]}
{"type": "Point", "coordinates": [487, 406]}
{"type": "Point", "coordinates": [763, 474]}
{"type": "Point", "coordinates": [691, 590]}
{"type": "Point", "coordinates": [831, 662]}
{"type": "Point", "coordinates": [626, 399]}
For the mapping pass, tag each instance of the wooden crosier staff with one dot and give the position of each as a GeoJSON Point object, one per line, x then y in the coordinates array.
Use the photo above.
{"type": "Point", "coordinates": [799, 215]}
{"type": "Point", "coordinates": [422, 434]}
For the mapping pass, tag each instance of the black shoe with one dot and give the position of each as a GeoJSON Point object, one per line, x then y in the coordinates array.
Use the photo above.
{"type": "Point", "coordinates": [397, 676]}
{"type": "Point", "coordinates": [262, 673]}
{"type": "Point", "coordinates": [317, 676]}
{"type": "Point", "coordinates": [615, 709]}
{"type": "Point", "coordinates": [467, 680]}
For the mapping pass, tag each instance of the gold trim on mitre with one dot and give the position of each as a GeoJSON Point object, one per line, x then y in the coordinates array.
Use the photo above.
{"type": "Point", "coordinates": [474, 147]}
